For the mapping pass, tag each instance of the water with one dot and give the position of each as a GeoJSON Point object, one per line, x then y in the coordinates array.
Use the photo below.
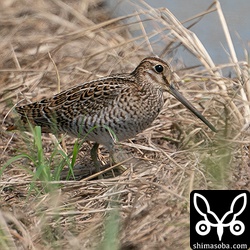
{"type": "Point", "coordinates": [209, 29]}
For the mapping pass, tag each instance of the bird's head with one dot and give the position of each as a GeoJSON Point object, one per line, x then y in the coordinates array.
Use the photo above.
{"type": "Point", "coordinates": [158, 73]}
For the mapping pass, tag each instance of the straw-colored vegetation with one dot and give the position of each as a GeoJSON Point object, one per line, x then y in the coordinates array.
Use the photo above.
{"type": "Point", "coordinates": [48, 46]}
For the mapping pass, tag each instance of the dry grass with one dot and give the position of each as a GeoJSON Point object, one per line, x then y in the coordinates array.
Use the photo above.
{"type": "Point", "coordinates": [51, 45]}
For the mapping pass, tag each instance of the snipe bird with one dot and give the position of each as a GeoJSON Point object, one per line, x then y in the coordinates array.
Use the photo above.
{"type": "Point", "coordinates": [116, 107]}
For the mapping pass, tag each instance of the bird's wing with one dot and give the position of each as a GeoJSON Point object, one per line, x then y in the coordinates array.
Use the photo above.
{"type": "Point", "coordinates": [84, 99]}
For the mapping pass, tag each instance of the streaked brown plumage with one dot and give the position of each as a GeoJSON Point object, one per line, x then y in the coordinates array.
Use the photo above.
{"type": "Point", "coordinates": [117, 106]}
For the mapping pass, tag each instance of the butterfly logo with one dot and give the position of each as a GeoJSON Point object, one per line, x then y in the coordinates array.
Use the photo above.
{"type": "Point", "coordinates": [203, 227]}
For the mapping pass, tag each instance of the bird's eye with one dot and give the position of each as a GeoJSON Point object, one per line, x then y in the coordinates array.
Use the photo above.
{"type": "Point", "coordinates": [158, 68]}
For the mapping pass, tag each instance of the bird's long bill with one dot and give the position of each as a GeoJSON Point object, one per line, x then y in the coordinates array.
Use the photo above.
{"type": "Point", "coordinates": [188, 105]}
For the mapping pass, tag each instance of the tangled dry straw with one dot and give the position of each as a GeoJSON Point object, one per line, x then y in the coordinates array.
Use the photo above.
{"type": "Point", "coordinates": [48, 46]}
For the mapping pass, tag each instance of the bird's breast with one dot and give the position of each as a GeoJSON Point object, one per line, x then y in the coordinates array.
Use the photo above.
{"type": "Point", "coordinates": [122, 119]}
